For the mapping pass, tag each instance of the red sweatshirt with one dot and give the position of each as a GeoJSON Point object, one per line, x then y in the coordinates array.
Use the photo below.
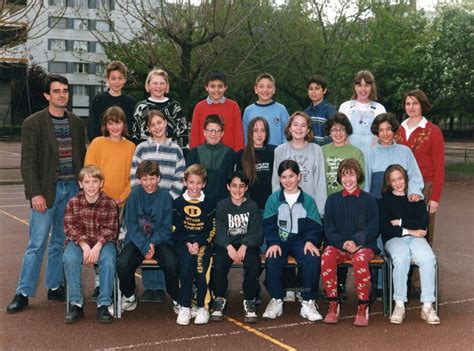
{"type": "Point", "coordinates": [233, 129]}
{"type": "Point", "coordinates": [427, 144]}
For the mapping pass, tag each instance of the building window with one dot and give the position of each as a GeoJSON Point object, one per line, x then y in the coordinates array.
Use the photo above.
{"type": "Point", "coordinates": [58, 22]}
{"type": "Point", "coordinates": [81, 68]}
{"type": "Point", "coordinates": [57, 44]}
{"type": "Point", "coordinates": [79, 90]}
{"type": "Point", "coordinates": [99, 48]}
{"type": "Point", "coordinates": [80, 24]}
{"type": "Point", "coordinates": [81, 3]}
{"type": "Point", "coordinates": [80, 46]}
{"type": "Point", "coordinates": [57, 2]}
{"type": "Point", "coordinates": [57, 67]}
{"type": "Point", "coordinates": [102, 26]}
{"type": "Point", "coordinates": [99, 69]}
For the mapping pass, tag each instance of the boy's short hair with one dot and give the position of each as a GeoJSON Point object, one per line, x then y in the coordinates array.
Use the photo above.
{"type": "Point", "coordinates": [197, 170]}
{"type": "Point", "coordinates": [153, 113]}
{"type": "Point", "coordinates": [339, 118]}
{"type": "Point", "coordinates": [316, 79]}
{"type": "Point", "coordinates": [422, 99]}
{"type": "Point", "coordinates": [148, 168]}
{"type": "Point", "coordinates": [384, 117]}
{"type": "Point", "coordinates": [350, 165]}
{"type": "Point", "coordinates": [115, 114]}
{"type": "Point", "coordinates": [157, 72]}
{"type": "Point", "coordinates": [91, 171]}
{"type": "Point", "coordinates": [310, 135]}
{"type": "Point", "coordinates": [116, 66]}
{"type": "Point", "coordinates": [215, 75]}
{"type": "Point", "coordinates": [214, 119]}
{"type": "Point", "coordinates": [238, 174]}
{"type": "Point", "coordinates": [265, 76]}
{"type": "Point", "coordinates": [54, 78]}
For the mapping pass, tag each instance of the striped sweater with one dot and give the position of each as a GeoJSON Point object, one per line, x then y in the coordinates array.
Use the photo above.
{"type": "Point", "coordinates": [170, 158]}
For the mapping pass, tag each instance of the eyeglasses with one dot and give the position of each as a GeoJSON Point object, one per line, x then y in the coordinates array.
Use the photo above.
{"type": "Point", "coordinates": [338, 130]}
{"type": "Point", "coordinates": [213, 131]}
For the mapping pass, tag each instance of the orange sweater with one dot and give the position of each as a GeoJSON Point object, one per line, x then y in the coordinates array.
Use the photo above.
{"type": "Point", "coordinates": [114, 158]}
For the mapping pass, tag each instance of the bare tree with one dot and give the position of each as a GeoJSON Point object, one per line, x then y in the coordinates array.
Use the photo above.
{"type": "Point", "coordinates": [186, 38]}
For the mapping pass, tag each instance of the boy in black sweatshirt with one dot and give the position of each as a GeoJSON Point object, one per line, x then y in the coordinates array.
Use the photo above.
{"type": "Point", "coordinates": [238, 239]}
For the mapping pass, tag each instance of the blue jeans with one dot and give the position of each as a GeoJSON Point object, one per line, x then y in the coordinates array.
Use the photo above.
{"type": "Point", "coordinates": [40, 226]}
{"type": "Point", "coordinates": [402, 251]}
{"type": "Point", "coordinates": [73, 269]}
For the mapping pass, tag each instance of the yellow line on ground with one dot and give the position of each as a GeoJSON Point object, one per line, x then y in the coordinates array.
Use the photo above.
{"type": "Point", "coordinates": [260, 334]}
{"type": "Point", "coordinates": [15, 217]}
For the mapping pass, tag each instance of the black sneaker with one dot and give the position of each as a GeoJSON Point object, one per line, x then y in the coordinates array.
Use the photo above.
{"type": "Point", "coordinates": [217, 309]}
{"type": "Point", "coordinates": [158, 295]}
{"type": "Point", "coordinates": [74, 315]}
{"type": "Point", "coordinates": [57, 294]}
{"type": "Point", "coordinates": [95, 294]}
{"type": "Point", "coordinates": [250, 310]}
{"type": "Point", "coordinates": [103, 315]}
{"type": "Point", "coordinates": [147, 296]}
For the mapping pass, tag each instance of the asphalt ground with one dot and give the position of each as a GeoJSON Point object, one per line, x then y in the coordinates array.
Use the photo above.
{"type": "Point", "coordinates": [152, 325]}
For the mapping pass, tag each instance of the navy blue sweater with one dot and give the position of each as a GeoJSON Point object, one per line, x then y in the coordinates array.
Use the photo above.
{"type": "Point", "coordinates": [352, 218]}
{"type": "Point", "coordinates": [413, 215]}
{"type": "Point", "coordinates": [194, 220]}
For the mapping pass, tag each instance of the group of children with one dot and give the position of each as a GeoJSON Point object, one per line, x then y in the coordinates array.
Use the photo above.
{"type": "Point", "coordinates": [227, 207]}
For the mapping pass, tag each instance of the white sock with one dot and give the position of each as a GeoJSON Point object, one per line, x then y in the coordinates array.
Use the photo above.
{"type": "Point", "coordinates": [399, 303]}
{"type": "Point", "coordinates": [426, 305]}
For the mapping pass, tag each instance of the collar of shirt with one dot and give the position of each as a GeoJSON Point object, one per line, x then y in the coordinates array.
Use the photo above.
{"type": "Point", "coordinates": [421, 124]}
{"type": "Point", "coordinates": [355, 193]}
{"type": "Point", "coordinates": [188, 198]}
{"type": "Point", "coordinates": [210, 101]}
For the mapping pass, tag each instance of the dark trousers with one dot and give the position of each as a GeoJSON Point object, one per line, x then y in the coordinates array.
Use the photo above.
{"type": "Point", "coordinates": [308, 265]}
{"type": "Point", "coordinates": [131, 258]}
{"type": "Point", "coordinates": [193, 269]}
{"type": "Point", "coordinates": [222, 263]}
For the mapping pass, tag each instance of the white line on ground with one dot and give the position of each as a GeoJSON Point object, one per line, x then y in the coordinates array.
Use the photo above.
{"type": "Point", "coordinates": [12, 153]}
{"type": "Point", "coordinates": [8, 206]}
{"type": "Point", "coordinates": [236, 332]}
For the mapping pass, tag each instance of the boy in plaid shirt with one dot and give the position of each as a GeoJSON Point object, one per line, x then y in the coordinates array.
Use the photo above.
{"type": "Point", "coordinates": [91, 226]}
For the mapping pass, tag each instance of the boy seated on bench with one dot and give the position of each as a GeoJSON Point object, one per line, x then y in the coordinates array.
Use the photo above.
{"type": "Point", "coordinates": [351, 224]}
{"type": "Point", "coordinates": [91, 226]}
{"type": "Point", "coordinates": [238, 239]}
{"type": "Point", "coordinates": [148, 218]}
{"type": "Point", "coordinates": [194, 216]}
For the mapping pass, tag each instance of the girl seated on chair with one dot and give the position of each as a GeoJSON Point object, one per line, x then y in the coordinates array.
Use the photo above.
{"type": "Point", "coordinates": [403, 225]}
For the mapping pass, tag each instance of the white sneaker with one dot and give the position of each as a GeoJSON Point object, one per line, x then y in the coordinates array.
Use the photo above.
{"type": "Point", "coordinates": [194, 310]}
{"type": "Point", "coordinates": [176, 307]}
{"type": "Point", "coordinates": [430, 316]}
{"type": "Point", "coordinates": [202, 316]}
{"type": "Point", "coordinates": [129, 303]}
{"type": "Point", "coordinates": [184, 316]}
{"type": "Point", "coordinates": [290, 296]}
{"type": "Point", "coordinates": [274, 309]}
{"type": "Point", "coordinates": [398, 315]}
{"type": "Point", "coordinates": [309, 310]}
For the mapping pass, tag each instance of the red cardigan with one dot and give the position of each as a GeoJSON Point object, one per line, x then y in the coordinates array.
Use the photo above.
{"type": "Point", "coordinates": [427, 144]}
{"type": "Point", "coordinates": [230, 111]}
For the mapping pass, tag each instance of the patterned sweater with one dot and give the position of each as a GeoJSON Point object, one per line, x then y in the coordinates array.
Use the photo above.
{"type": "Point", "coordinates": [170, 159]}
